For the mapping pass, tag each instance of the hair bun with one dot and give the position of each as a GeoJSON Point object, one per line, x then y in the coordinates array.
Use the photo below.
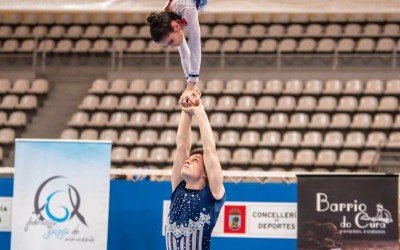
{"type": "Point", "coordinates": [152, 19]}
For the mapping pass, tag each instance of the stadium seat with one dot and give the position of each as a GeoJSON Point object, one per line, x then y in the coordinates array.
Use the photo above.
{"type": "Point", "coordinates": [20, 86]}
{"type": "Point", "coordinates": [375, 139]}
{"type": "Point", "coordinates": [9, 102]}
{"type": "Point", "coordinates": [326, 158]}
{"type": "Point", "coordinates": [270, 139]}
{"type": "Point", "coordinates": [214, 86]}
{"type": "Point", "coordinates": [361, 121]}
{"type": "Point", "coordinates": [92, 31]}
{"type": "Point", "coordinates": [306, 104]}
{"type": "Point", "coordinates": [347, 104]}
{"type": "Point", "coordinates": [333, 87]}
{"type": "Point", "coordinates": [69, 134]}
{"type": "Point", "coordinates": [241, 156]}
{"type": "Point", "coordinates": [147, 102]}
{"type": "Point", "coordinates": [313, 87]}
{"type": "Point", "coordinates": [347, 158]}
{"type": "Point", "coordinates": [253, 87]}
{"type": "Point", "coordinates": [119, 155]}
{"type": "Point", "coordinates": [249, 45]}
{"type": "Point", "coordinates": [167, 137]}
{"type": "Point", "coordinates": [136, 46]}
{"type": "Point", "coordinates": [268, 45]}
{"type": "Point", "coordinates": [82, 46]}
{"type": "Point", "coordinates": [283, 157]}
{"type": "Point", "coordinates": [257, 30]}
{"type": "Point", "coordinates": [368, 158]}
{"type": "Point", "coordinates": [374, 87]}
{"type": "Point", "coordinates": [305, 157]}
{"type": "Point", "coordinates": [278, 120]}
{"type": "Point", "coordinates": [319, 121]}
{"type": "Point", "coordinates": [74, 31]}
{"type": "Point", "coordinates": [340, 121]}
{"type": "Point", "coordinates": [118, 86]}
{"type": "Point", "coordinates": [333, 139]}
{"type": "Point", "coordinates": [109, 135]}
{"type": "Point", "coordinates": [354, 139]}
{"type": "Point", "coordinates": [286, 103]}
{"type": "Point", "coordinates": [128, 137]}
{"type": "Point", "coordinates": [353, 87]}
{"type": "Point", "coordinates": [218, 119]}
{"type": "Point", "coordinates": [157, 119]}
{"type": "Point", "coordinates": [148, 137]}
{"type": "Point", "coordinates": [175, 86]}
{"type": "Point", "coordinates": [138, 119]}
{"type": "Point", "coordinates": [89, 134]}
{"type": "Point", "coordinates": [158, 155]}
{"type": "Point", "coordinates": [167, 103]}
{"type": "Point", "coordinates": [7, 136]}
{"type": "Point", "coordinates": [393, 87]}
{"type": "Point", "coordinates": [5, 86]}
{"type": "Point", "coordinates": [367, 104]}
{"type": "Point", "coordinates": [137, 86]}
{"type": "Point", "coordinates": [233, 87]}
{"type": "Point", "coordinates": [127, 103]}
{"type": "Point", "coordinates": [237, 120]}
{"type": "Point", "coordinates": [262, 157]}
{"type": "Point", "coordinates": [118, 119]}
{"type": "Point", "coordinates": [245, 104]}
{"type": "Point", "coordinates": [265, 103]}
{"type": "Point", "coordinates": [17, 119]}
{"type": "Point", "coordinates": [98, 119]}
{"type": "Point", "coordinates": [258, 120]}
{"type": "Point", "coordinates": [138, 154]}
{"type": "Point", "coordinates": [28, 102]}
{"type": "Point", "coordinates": [291, 139]}
{"type": "Point", "coordinates": [39, 86]}
{"type": "Point", "coordinates": [312, 139]}
{"type": "Point", "coordinates": [382, 121]}
{"type": "Point", "coordinates": [224, 155]}
{"type": "Point", "coordinates": [109, 102]}
{"type": "Point", "coordinates": [226, 103]}
{"type": "Point", "coordinates": [99, 86]}
{"type": "Point", "coordinates": [388, 104]}
{"type": "Point", "coordinates": [156, 86]}
{"type": "Point", "coordinates": [306, 45]}
{"type": "Point", "coordinates": [229, 138]}
{"type": "Point", "coordinates": [326, 45]}
{"type": "Point", "coordinates": [326, 104]}
{"type": "Point", "coordinates": [298, 121]}
{"type": "Point", "coordinates": [249, 139]}
{"type": "Point", "coordinates": [79, 119]}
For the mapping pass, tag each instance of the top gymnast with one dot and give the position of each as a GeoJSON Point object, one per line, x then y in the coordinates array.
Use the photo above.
{"type": "Point", "coordinates": [167, 28]}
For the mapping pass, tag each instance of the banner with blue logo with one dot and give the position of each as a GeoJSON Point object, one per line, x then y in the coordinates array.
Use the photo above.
{"type": "Point", "coordinates": [61, 195]}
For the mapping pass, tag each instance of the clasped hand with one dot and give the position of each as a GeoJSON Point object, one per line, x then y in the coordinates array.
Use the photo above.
{"type": "Point", "coordinates": [190, 98]}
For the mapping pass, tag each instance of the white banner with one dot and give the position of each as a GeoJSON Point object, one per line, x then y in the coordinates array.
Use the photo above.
{"type": "Point", "coordinates": [5, 214]}
{"type": "Point", "coordinates": [253, 220]}
{"type": "Point", "coordinates": [61, 195]}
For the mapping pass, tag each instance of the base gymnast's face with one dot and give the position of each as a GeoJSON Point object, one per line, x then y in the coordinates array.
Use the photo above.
{"type": "Point", "coordinates": [193, 169]}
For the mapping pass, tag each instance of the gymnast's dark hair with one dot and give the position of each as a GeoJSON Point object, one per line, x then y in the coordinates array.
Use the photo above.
{"type": "Point", "coordinates": [160, 24]}
{"type": "Point", "coordinates": [198, 150]}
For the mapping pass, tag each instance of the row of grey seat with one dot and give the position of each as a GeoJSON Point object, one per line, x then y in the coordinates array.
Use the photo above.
{"type": "Point", "coordinates": [208, 17]}
{"type": "Point", "coordinates": [209, 46]}
{"type": "Point", "coordinates": [254, 87]}
{"type": "Point", "coordinates": [218, 30]}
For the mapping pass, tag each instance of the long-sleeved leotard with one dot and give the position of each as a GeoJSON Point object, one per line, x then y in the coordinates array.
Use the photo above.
{"type": "Point", "coordinates": [190, 51]}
